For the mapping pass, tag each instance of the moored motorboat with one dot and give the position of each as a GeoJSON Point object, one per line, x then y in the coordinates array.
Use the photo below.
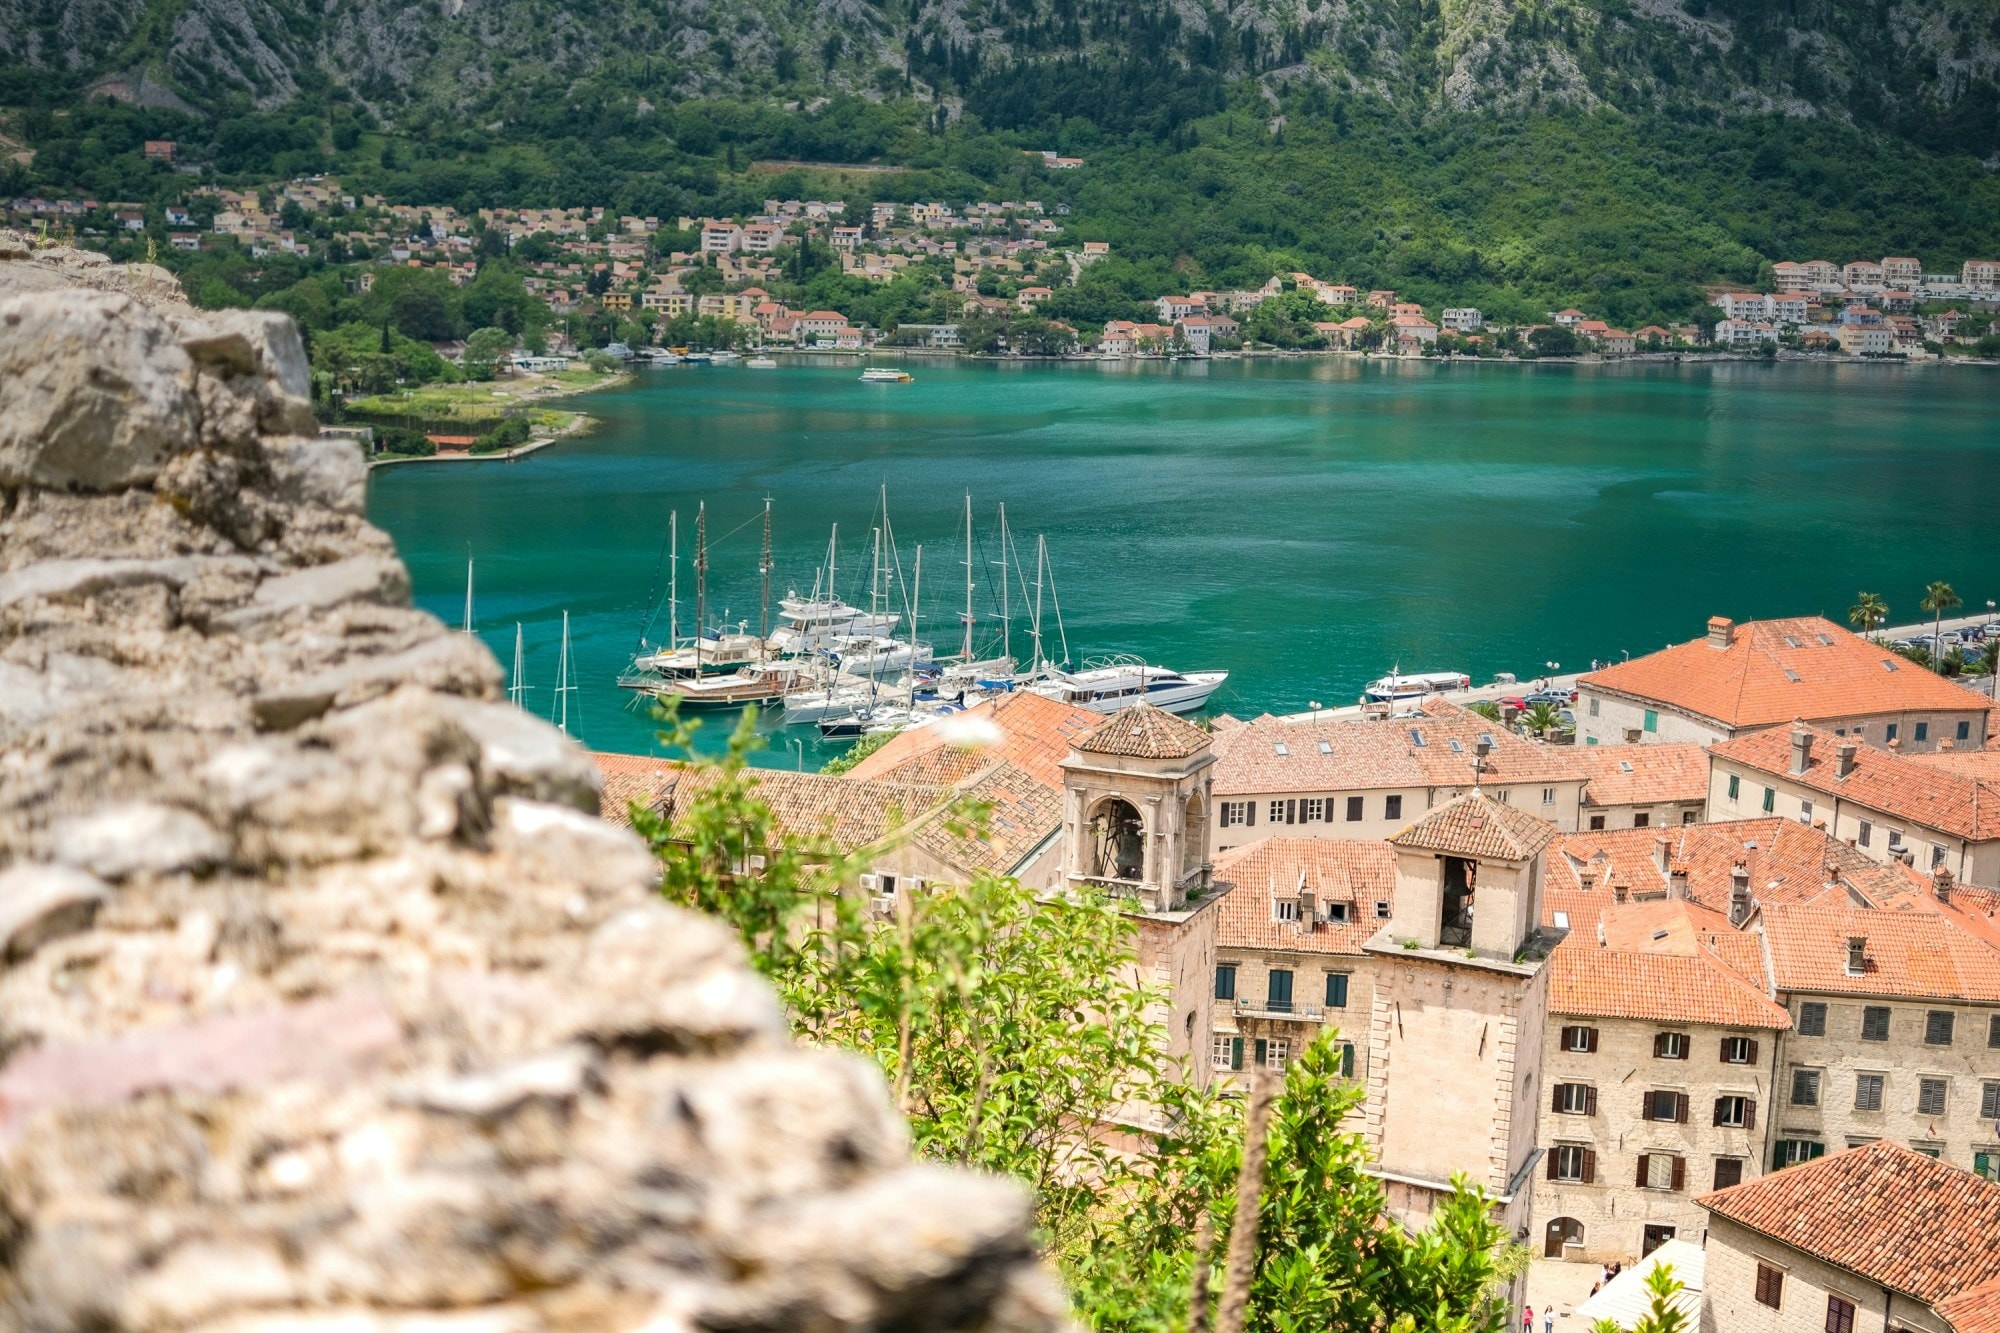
{"type": "Point", "coordinates": [884, 375]}
{"type": "Point", "coordinates": [1107, 686]}
{"type": "Point", "coordinates": [761, 363]}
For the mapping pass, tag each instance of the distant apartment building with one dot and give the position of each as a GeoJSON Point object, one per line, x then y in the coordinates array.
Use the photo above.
{"type": "Point", "coordinates": [1642, 786]}
{"type": "Point", "coordinates": [1745, 305]}
{"type": "Point", "coordinates": [1742, 678]}
{"type": "Point", "coordinates": [1462, 319]}
{"type": "Point", "coordinates": [1865, 339]}
{"type": "Point", "coordinates": [1902, 271]}
{"type": "Point", "coordinates": [1861, 273]}
{"type": "Point", "coordinates": [1981, 274]}
{"type": "Point", "coordinates": [721, 238]}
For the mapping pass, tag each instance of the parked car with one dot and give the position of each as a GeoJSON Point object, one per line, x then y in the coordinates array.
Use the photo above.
{"type": "Point", "coordinates": [1553, 698]}
{"type": "Point", "coordinates": [1518, 705]}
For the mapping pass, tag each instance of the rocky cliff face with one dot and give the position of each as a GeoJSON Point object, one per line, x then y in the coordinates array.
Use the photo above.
{"type": "Point", "coordinates": [326, 1001]}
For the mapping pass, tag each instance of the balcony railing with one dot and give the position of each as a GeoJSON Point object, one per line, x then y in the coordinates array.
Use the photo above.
{"type": "Point", "coordinates": [1291, 1010]}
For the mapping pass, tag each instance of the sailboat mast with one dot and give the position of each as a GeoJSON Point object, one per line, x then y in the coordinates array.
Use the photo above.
{"type": "Point", "coordinates": [466, 628]}
{"type": "Point", "coordinates": [518, 691]}
{"type": "Point", "coordinates": [700, 579]}
{"type": "Point", "coordinates": [966, 651]}
{"type": "Point", "coordinates": [565, 674]}
{"type": "Point", "coordinates": [764, 622]}
{"type": "Point", "coordinates": [1006, 610]}
{"type": "Point", "coordinates": [1041, 561]}
{"type": "Point", "coordinates": [674, 580]}
{"type": "Point", "coordinates": [832, 551]}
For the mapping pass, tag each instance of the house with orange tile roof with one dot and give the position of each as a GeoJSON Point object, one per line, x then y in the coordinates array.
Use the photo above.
{"type": "Point", "coordinates": [1657, 1073]}
{"type": "Point", "coordinates": [1368, 779]}
{"type": "Point", "coordinates": [1893, 807]}
{"type": "Point", "coordinates": [1642, 786]}
{"type": "Point", "coordinates": [1874, 1237]}
{"type": "Point", "coordinates": [1288, 957]}
{"type": "Point", "coordinates": [1028, 730]}
{"type": "Point", "coordinates": [1764, 673]}
{"type": "Point", "coordinates": [1896, 1025]}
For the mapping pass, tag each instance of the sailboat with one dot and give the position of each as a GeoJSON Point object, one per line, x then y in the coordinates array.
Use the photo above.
{"type": "Point", "coordinates": [756, 680]}
{"type": "Point", "coordinates": [813, 622]}
{"type": "Point", "coordinates": [517, 693]}
{"type": "Point", "coordinates": [565, 682]}
{"type": "Point", "coordinates": [466, 627]}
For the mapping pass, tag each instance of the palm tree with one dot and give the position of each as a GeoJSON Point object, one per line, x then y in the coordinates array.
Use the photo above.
{"type": "Point", "coordinates": [1486, 708]}
{"type": "Point", "coordinates": [1542, 719]}
{"type": "Point", "coordinates": [1869, 612]}
{"type": "Point", "coordinates": [1938, 599]}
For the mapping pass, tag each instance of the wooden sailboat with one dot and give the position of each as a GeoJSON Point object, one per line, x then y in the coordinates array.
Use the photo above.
{"type": "Point", "coordinates": [756, 682]}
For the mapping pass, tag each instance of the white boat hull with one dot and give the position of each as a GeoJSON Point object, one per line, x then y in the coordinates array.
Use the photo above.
{"type": "Point", "coordinates": [1175, 692]}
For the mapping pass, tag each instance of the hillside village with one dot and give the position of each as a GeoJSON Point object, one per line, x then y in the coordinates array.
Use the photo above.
{"type": "Point", "coordinates": [1750, 920]}
{"type": "Point", "coordinates": [982, 277]}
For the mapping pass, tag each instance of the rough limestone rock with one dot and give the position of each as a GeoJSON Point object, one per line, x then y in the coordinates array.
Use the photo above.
{"type": "Point", "coordinates": [327, 1003]}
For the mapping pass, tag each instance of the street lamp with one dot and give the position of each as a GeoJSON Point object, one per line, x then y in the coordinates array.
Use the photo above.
{"type": "Point", "coordinates": [800, 746]}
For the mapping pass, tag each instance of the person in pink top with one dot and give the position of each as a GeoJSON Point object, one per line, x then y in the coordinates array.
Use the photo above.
{"type": "Point", "coordinates": [1528, 1319]}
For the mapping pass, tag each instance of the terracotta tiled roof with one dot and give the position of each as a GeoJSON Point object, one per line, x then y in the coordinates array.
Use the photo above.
{"type": "Point", "coordinates": [1895, 1217]}
{"type": "Point", "coordinates": [1672, 961]}
{"type": "Point", "coordinates": [1145, 732]}
{"type": "Point", "coordinates": [1930, 795]}
{"type": "Point", "coordinates": [1776, 670]}
{"type": "Point", "coordinates": [1921, 954]}
{"type": "Point", "coordinates": [1983, 764]}
{"type": "Point", "coordinates": [630, 779]}
{"type": "Point", "coordinates": [1477, 825]}
{"type": "Point", "coordinates": [1035, 733]}
{"type": "Point", "coordinates": [1335, 755]}
{"type": "Point", "coordinates": [1357, 873]}
{"type": "Point", "coordinates": [1787, 861]}
{"type": "Point", "coordinates": [1643, 774]}
{"type": "Point", "coordinates": [809, 806]}
{"type": "Point", "coordinates": [1022, 813]}
{"type": "Point", "coordinates": [1974, 1310]}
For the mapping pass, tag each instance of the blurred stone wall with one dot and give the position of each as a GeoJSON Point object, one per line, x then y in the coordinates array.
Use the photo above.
{"type": "Point", "coordinates": [327, 1003]}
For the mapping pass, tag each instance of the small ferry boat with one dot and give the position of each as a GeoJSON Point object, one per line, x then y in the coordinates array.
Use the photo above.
{"type": "Point", "coordinates": [1107, 686]}
{"type": "Point", "coordinates": [884, 375]}
{"type": "Point", "coordinates": [761, 363]}
{"type": "Point", "coordinates": [1399, 688]}
{"type": "Point", "coordinates": [715, 654]}
{"type": "Point", "coordinates": [723, 357]}
{"type": "Point", "coordinates": [752, 685]}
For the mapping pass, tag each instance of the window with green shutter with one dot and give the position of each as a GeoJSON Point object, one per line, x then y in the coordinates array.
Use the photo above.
{"type": "Point", "coordinates": [1336, 990]}
{"type": "Point", "coordinates": [1225, 981]}
{"type": "Point", "coordinates": [1347, 1059]}
{"type": "Point", "coordinates": [1986, 1164]}
{"type": "Point", "coordinates": [1652, 720]}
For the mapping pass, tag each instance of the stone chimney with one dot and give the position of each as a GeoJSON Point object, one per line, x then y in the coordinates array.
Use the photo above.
{"type": "Point", "coordinates": [1618, 892]}
{"type": "Point", "coordinates": [1739, 893]}
{"type": "Point", "coordinates": [1308, 910]}
{"type": "Point", "coordinates": [1586, 878]}
{"type": "Point", "coordinates": [1662, 849]}
{"type": "Point", "coordinates": [1719, 630]}
{"type": "Point", "coordinates": [1941, 882]}
{"type": "Point", "coordinates": [1844, 758]}
{"type": "Point", "coordinates": [1677, 881]}
{"type": "Point", "coordinates": [1857, 955]}
{"type": "Point", "coordinates": [1801, 747]}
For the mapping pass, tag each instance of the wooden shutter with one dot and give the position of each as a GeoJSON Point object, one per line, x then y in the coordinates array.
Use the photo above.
{"type": "Point", "coordinates": [1646, 1111]}
{"type": "Point", "coordinates": [1680, 1108]}
{"type": "Point", "coordinates": [1236, 1053]}
{"type": "Point", "coordinates": [1718, 1111]}
{"type": "Point", "coordinates": [1724, 1057]}
{"type": "Point", "coordinates": [1554, 1153]}
{"type": "Point", "coordinates": [1591, 1035]}
{"type": "Point", "coordinates": [1250, 808]}
{"type": "Point", "coordinates": [1749, 1113]}
{"type": "Point", "coordinates": [1680, 1172]}
{"type": "Point", "coordinates": [1590, 1166]}
{"type": "Point", "coordinates": [1590, 1101]}
{"type": "Point", "coordinates": [1659, 1044]}
{"type": "Point", "coordinates": [1259, 1051]}
{"type": "Point", "coordinates": [1556, 1099]}
{"type": "Point", "coordinates": [1642, 1170]}
{"type": "Point", "coordinates": [1753, 1051]}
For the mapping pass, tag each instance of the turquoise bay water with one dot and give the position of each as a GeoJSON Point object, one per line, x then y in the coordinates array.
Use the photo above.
{"type": "Point", "coordinates": [1304, 524]}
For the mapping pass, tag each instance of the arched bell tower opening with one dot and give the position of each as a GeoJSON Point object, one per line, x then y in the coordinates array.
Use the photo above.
{"type": "Point", "coordinates": [1194, 833]}
{"type": "Point", "coordinates": [1117, 847]}
{"type": "Point", "coordinates": [1136, 790]}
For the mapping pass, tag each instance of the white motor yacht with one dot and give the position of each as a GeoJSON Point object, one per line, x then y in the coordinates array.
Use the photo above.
{"type": "Point", "coordinates": [813, 623]}
{"type": "Point", "coordinates": [873, 655]}
{"type": "Point", "coordinates": [716, 653]}
{"type": "Point", "coordinates": [1106, 687]}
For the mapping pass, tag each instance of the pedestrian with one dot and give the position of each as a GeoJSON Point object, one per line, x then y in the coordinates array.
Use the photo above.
{"type": "Point", "coordinates": [1528, 1319]}
{"type": "Point", "coordinates": [1549, 1319]}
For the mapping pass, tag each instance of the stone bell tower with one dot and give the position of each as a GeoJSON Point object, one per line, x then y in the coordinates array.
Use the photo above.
{"type": "Point", "coordinates": [1136, 793]}
{"type": "Point", "coordinates": [1136, 807]}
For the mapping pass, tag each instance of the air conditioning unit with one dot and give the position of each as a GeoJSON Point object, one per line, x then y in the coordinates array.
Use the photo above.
{"type": "Point", "coordinates": [883, 904]}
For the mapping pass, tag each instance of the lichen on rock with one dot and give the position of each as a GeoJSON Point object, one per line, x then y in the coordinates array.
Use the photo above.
{"type": "Point", "coordinates": [325, 1000]}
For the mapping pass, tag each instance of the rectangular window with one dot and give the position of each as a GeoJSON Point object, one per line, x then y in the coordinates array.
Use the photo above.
{"type": "Point", "coordinates": [1570, 1163]}
{"type": "Point", "coordinates": [1235, 813]}
{"type": "Point", "coordinates": [1865, 834]}
{"type": "Point", "coordinates": [1987, 1165]}
{"type": "Point", "coordinates": [1575, 1099]}
{"type": "Point", "coordinates": [1930, 1096]}
{"type": "Point", "coordinates": [1965, 731]}
{"type": "Point", "coordinates": [1579, 1040]}
{"type": "Point", "coordinates": [1670, 1046]}
{"type": "Point", "coordinates": [1278, 992]}
{"type": "Point", "coordinates": [1225, 981]}
{"type": "Point", "coordinates": [1276, 813]}
{"type": "Point", "coordinates": [1336, 990]}
{"type": "Point", "coordinates": [1735, 785]}
{"type": "Point", "coordinates": [1805, 812]}
{"type": "Point", "coordinates": [1222, 1051]}
{"type": "Point", "coordinates": [1875, 1023]}
{"type": "Point", "coordinates": [1312, 810]}
{"type": "Point", "coordinates": [1805, 1087]}
{"type": "Point", "coordinates": [1347, 1059]}
{"type": "Point", "coordinates": [1381, 909]}
{"type": "Point", "coordinates": [1661, 1171]}
{"type": "Point", "coordinates": [1929, 1149]}
{"type": "Point", "coordinates": [1596, 823]}
{"type": "Point", "coordinates": [1643, 819]}
{"type": "Point", "coordinates": [1739, 1051]}
{"type": "Point", "coordinates": [1506, 795]}
{"type": "Point", "coordinates": [1728, 1171]}
{"type": "Point", "coordinates": [1667, 1108]}
{"type": "Point", "coordinates": [1790, 1152]}
{"type": "Point", "coordinates": [1993, 1033]}
{"type": "Point", "coordinates": [1548, 796]}
{"type": "Point", "coordinates": [1839, 1313]}
{"type": "Point", "coordinates": [1687, 816]}
{"type": "Point", "coordinates": [1735, 1112]}
{"type": "Point", "coordinates": [1989, 1101]}
{"type": "Point", "coordinates": [1937, 1027]}
{"type": "Point", "coordinates": [1276, 1051]}
{"type": "Point", "coordinates": [1770, 800]}
{"type": "Point", "coordinates": [1652, 720]}
{"type": "Point", "coordinates": [1812, 1019]}
{"type": "Point", "coordinates": [1285, 909]}
{"type": "Point", "coordinates": [1923, 731]}
{"type": "Point", "coordinates": [1593, 707]}
{"type": "Point", "coordinates": [1891, 734]}
{"type": "Point", "coordinates": [1392, 807]}
{"type": "Point", "coordinates": [1868, 1092]}
{"type": "Point", "coordinates": [1770, 1286]}
{"type": "Point", "coordinates": [1353, 809]}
